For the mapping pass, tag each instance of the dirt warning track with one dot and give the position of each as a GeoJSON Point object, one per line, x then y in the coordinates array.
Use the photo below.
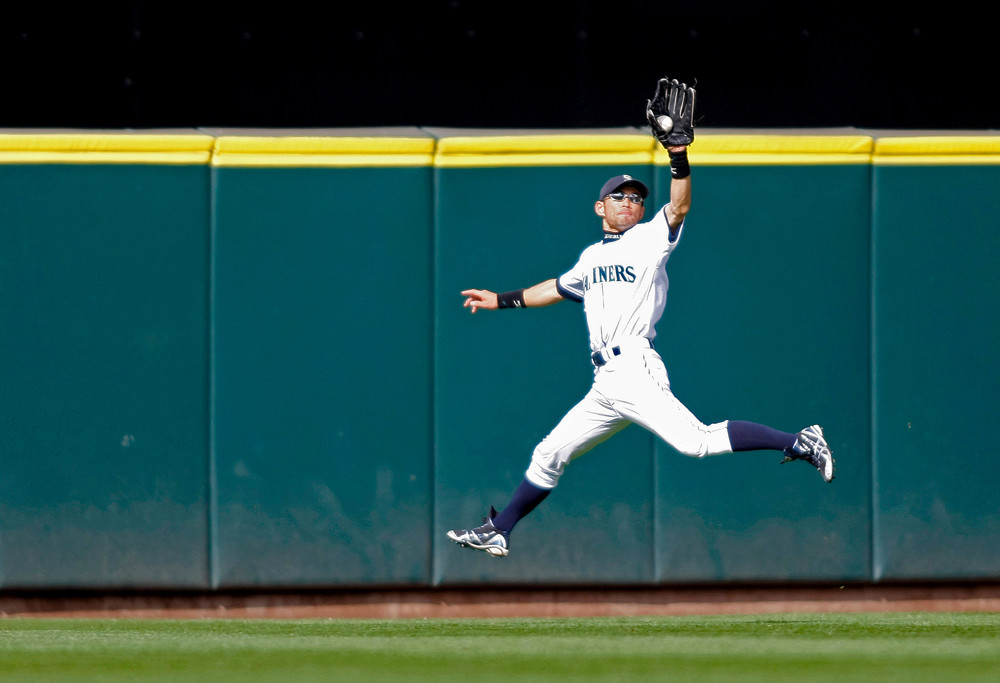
{"type": "Point", "coordinates": [506, 603]}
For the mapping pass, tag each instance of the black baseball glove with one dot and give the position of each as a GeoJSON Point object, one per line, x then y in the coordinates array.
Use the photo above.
{"type": "Point", "coordinates": [676, 100]}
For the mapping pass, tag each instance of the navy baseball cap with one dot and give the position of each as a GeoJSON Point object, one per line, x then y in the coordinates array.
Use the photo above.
{"type": "Point", "coordinates": [620, 181]}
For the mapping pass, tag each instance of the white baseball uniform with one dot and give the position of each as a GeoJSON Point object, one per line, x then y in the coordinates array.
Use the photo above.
{"type": "Point", "coordinates": [622, 282]}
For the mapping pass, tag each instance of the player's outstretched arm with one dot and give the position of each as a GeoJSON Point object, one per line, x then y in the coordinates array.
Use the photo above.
{"type": "Point", "coordinates": [671, 119]}
{"type": "Point", "coordinates": [680, 193]}
{"type": "Point", "coordinates": [543, 294]}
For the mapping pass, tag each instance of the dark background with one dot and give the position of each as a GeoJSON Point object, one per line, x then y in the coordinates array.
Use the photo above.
{"type": "Point", "coordinates": [485, 63]}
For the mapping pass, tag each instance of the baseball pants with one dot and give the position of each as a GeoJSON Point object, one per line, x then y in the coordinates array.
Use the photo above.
{"type": "Point", "coordinates": [632, 387]}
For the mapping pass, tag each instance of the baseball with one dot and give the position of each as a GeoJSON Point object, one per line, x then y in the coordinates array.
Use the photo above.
{"type": "Point", "coordinates": [664, 122]}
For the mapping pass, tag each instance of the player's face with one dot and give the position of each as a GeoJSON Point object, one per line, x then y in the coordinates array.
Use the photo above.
{"type": "Point", "coordinates": [619, 216]}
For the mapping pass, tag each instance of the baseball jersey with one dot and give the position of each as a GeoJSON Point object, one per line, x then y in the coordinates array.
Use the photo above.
{"type": "Point", "coordinates": [622, 281]}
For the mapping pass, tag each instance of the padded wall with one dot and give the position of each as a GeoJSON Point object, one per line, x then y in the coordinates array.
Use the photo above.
{"type": "Point", "coordinates": [768, 321]}
{"type": "Point", "coordinates": [104, 410]}
{"type": "Point", "coordinates": [512, 212]}
{"type": "Point", "coordinates": [936, 368]}
{"type": "Point", "coordinates": [238, 359]}
{"type": "Point", "coordinates": [321, 347]}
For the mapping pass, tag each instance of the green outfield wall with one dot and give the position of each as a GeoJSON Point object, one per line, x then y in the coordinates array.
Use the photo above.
{"type": "Point", "coordinates": [935, 361]}
{"type": "Point", "coordinates": [238, 358]}
{"type": "Point", "coordinates": [104, 349]}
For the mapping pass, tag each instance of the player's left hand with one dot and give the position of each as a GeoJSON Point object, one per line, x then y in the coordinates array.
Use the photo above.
{"type": "Point", "coordinates": [480, 298]}
{"type": "Point", "coordinates": [675, 100]}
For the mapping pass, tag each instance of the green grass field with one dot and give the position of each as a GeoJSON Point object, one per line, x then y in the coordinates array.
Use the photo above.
{"type": "Point", "coordinates": [786, 647]}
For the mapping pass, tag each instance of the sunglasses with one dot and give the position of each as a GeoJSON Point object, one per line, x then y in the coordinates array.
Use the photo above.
{"type": "Point", "coordinates": [621, 196]}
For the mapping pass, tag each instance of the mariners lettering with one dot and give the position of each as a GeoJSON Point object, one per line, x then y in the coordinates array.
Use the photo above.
{"type": "Point", "coordinates": [602, 274]}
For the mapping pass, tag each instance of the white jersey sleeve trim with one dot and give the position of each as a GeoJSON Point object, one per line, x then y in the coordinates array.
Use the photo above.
{"type": "Point", "coordinates": [572, 292]}
{"type": "Point", "coordinates": [672, 236]}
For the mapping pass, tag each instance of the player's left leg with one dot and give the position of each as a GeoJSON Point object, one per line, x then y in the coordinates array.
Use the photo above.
{"type": "Point", "coordinates": [811, 446]}
{"type": "Point", "coordinates": [648, 400]}
{"type": "Point", "coordinates": [752, 436]}
{"type": "Point", "coordinates": [808, 445]}
{"type": "Point", "coordinates": [639, 389]}
{"type": "Point", "coordinates": [663, 414]}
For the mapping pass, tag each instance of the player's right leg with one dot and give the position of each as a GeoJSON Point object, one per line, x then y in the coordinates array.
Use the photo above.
{"type": "Point", "coordinates": [487, 537]}
{"type": "Point", "coordinates": [587, 424]}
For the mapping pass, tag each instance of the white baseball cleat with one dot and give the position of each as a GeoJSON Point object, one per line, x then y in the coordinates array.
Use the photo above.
{"type": "Point", "coordinates": [486, 537]}
{"type": "Point", "coordinates": [812, 447]}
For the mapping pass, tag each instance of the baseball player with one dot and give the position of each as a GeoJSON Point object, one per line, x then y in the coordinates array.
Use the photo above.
{"type": "Point", "coordinates": [622, 283]}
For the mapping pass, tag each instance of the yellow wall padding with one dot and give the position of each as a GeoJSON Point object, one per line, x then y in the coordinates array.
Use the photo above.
{"type": "Point", "coordinates": [97, 148]}
{"type": "Point", "coordinates": [754, 150]}
{"type": "Point", "coordinates": [516, 149]}
{"type": "Point", "coordinates": [544, 150]}
{"type": "Point", "coordinates": [931, 150]}
{"type": "Point", "coordinates": [323, 151]}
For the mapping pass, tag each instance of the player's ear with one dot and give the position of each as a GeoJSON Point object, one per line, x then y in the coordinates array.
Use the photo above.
{"type": "Point", "coordinates": [599, 209]}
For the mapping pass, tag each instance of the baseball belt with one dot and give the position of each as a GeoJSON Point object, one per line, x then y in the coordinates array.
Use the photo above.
{"type": "Point", "coordinates": [600, 358]}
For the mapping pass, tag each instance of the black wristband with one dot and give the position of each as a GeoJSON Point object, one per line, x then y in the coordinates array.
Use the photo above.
{"type": "Point", "coordinates": [512, 299]}
{"type": "Point", "coordinates": [679, 167]}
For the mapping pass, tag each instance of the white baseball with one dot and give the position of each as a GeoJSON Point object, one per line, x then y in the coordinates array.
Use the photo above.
{"type": "Point", "coordinates": [664, 122]}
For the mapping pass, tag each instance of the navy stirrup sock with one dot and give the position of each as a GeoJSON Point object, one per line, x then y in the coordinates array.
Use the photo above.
{"type": "Point", "coordinates": [750, 436]}
{"type": "Point", "coordinates": [526, 498]}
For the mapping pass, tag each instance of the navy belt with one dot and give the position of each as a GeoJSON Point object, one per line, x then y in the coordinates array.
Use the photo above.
{"type": "Point", "coordinates": [598, 357]}
{"type": "Point", "coordinates": [601, 358]}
